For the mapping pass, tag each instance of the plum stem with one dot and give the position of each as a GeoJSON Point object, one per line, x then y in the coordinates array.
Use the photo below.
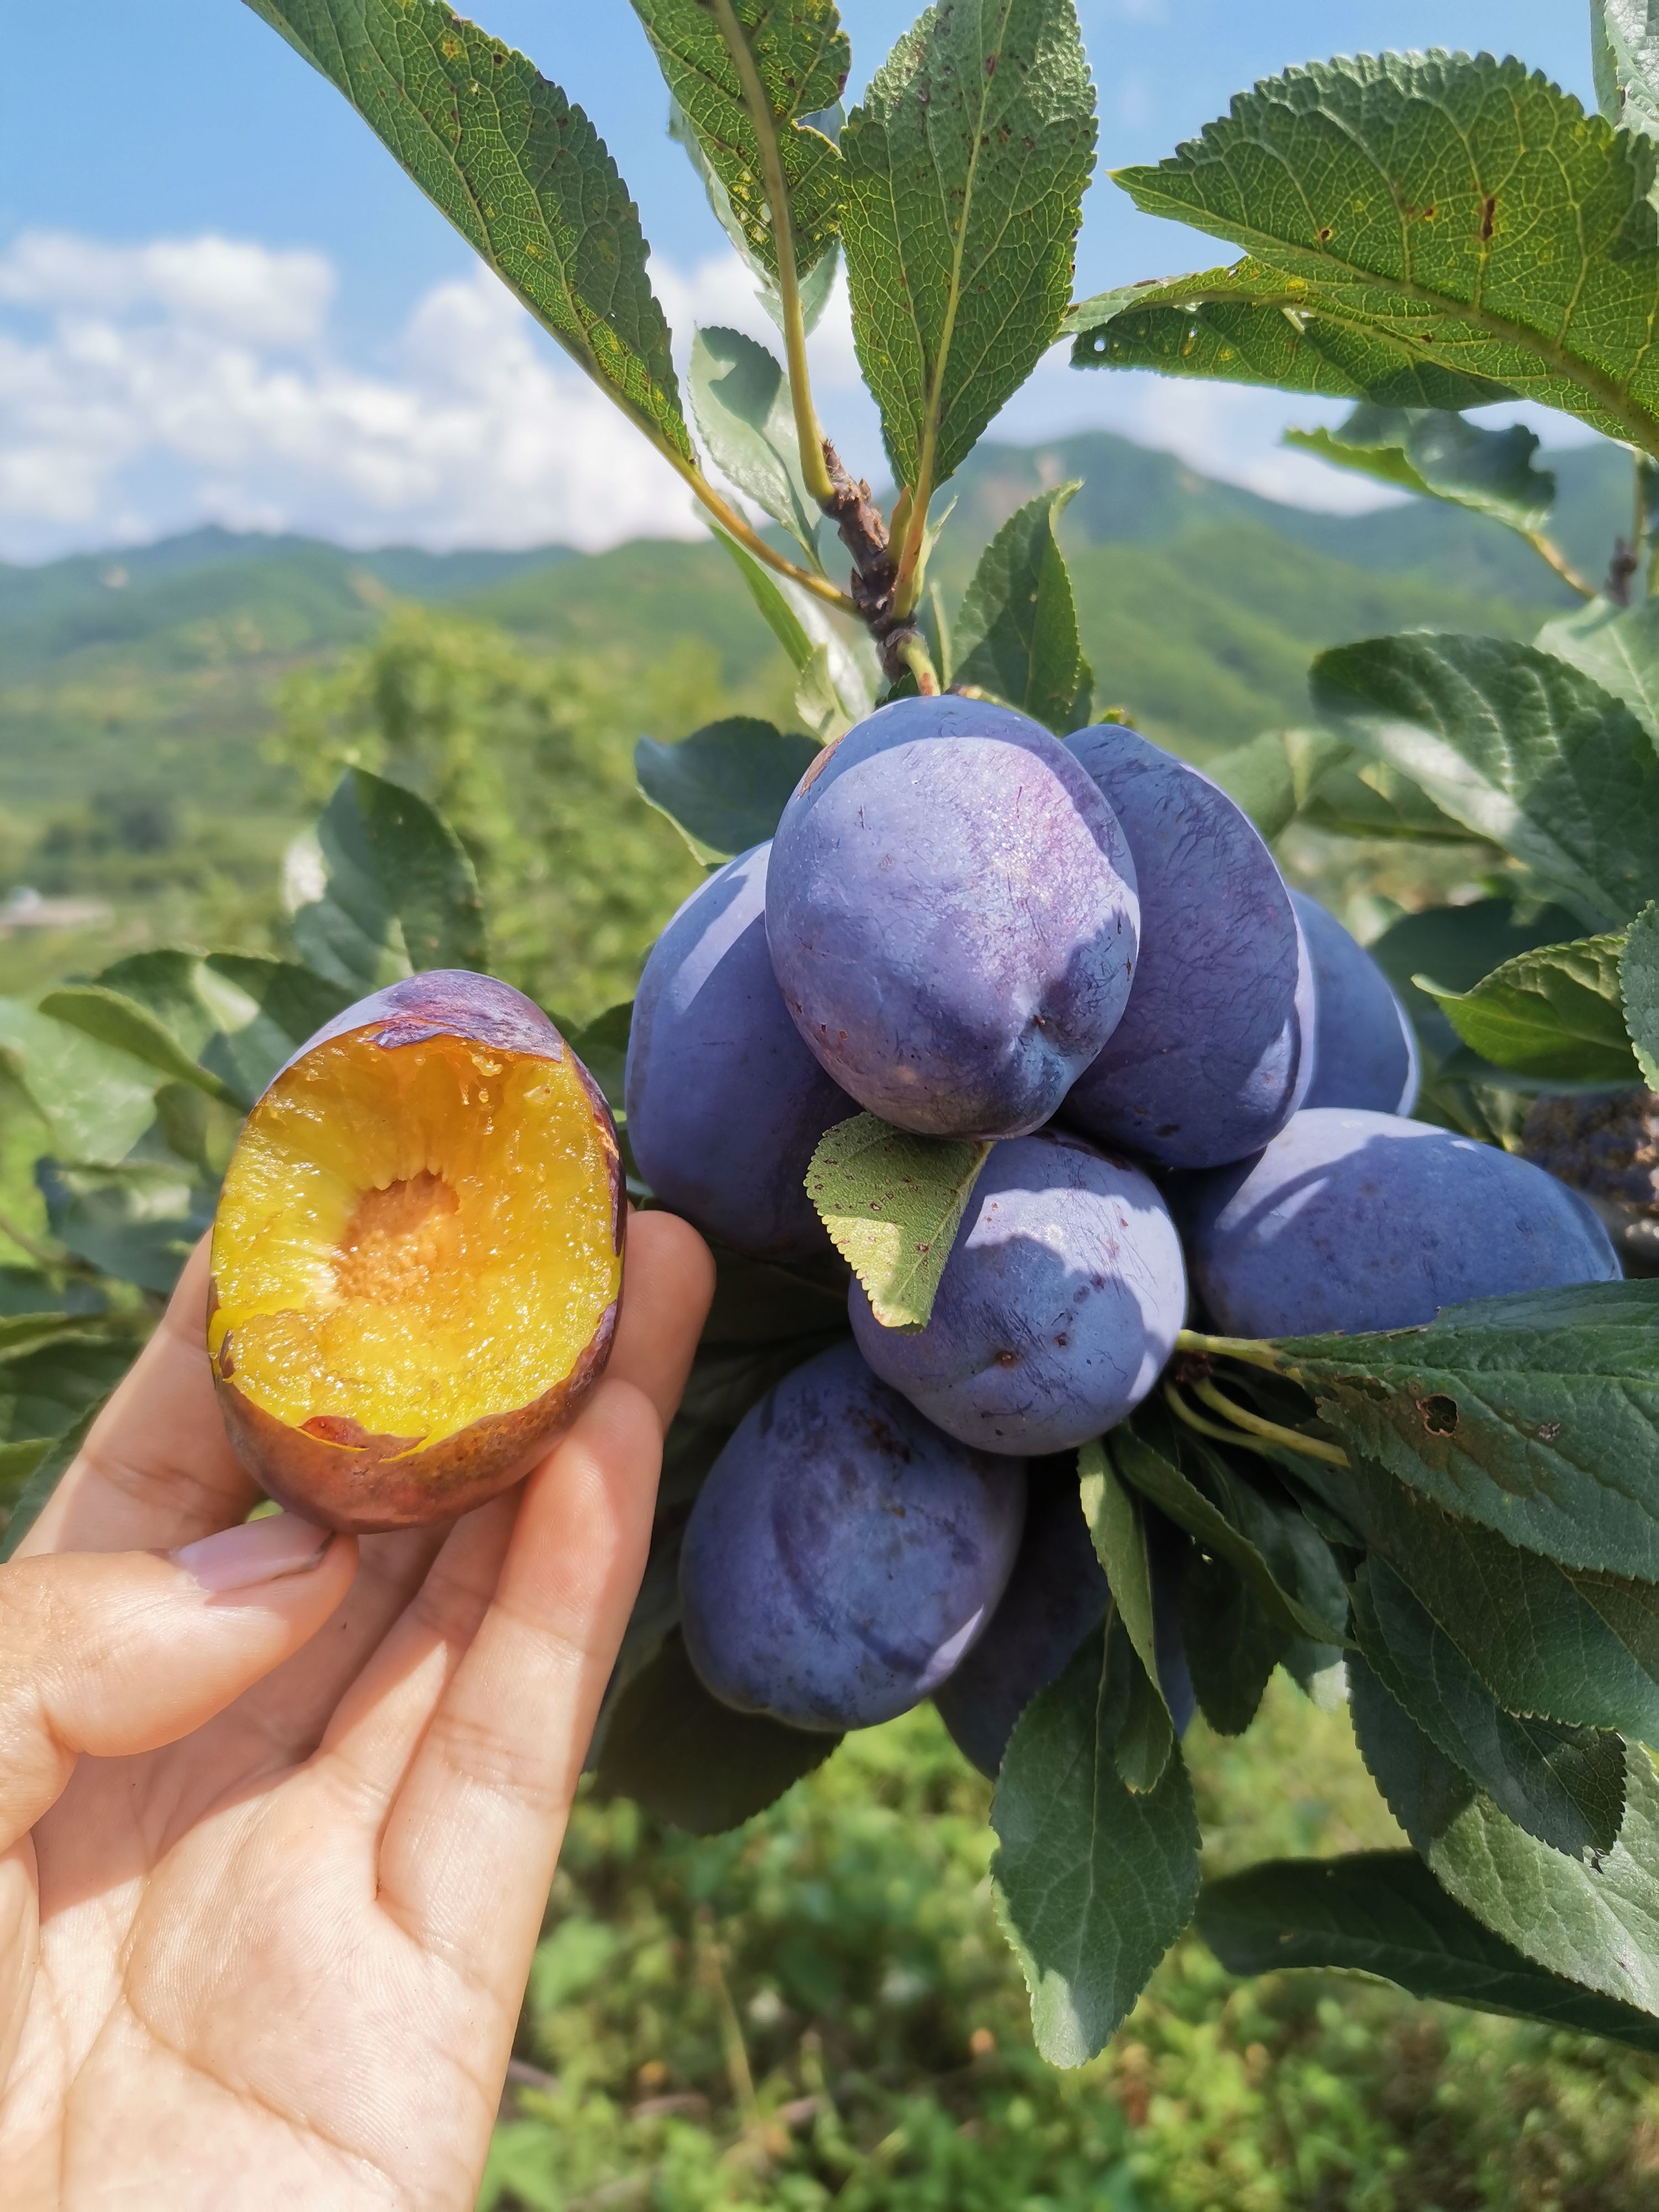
{"type": "Point", "coordinates": [1256, 1425]}
{"type": "Point", "coordinates": [1252, 1351]}
{"type": "Point", "coordinates": [1184, 1413]}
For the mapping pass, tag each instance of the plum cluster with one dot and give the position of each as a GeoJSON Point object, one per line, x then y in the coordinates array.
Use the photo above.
{"type": "Point", "coordinates": [1195, 1083]}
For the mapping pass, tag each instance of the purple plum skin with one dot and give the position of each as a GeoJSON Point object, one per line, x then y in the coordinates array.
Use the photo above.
{"type": "Point", "coordinates": [1056, 1596]}
{"type": "Point", "coordinates": [1352, 1221]}
{"type": "Point", "coordinates": [1365, 1048]}
{"type": "Point", "coordinates": [1214, 1050]}
{"type": "Point", "coordinates": [842, 1555]}
{"type": "Point", "coordinates": [952, 915]}
{"type": "Point", "coordinates": [726, 1105]}
{"type": "Point", "coordinates": [1058, 1308]}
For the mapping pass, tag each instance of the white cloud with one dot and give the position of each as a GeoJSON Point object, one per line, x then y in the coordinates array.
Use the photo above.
{"type": "Point", "coordinates": [152, 387]}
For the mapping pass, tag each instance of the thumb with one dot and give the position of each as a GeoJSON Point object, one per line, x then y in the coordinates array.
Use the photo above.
{"type": "Point", "coordinates": [113, 1653]}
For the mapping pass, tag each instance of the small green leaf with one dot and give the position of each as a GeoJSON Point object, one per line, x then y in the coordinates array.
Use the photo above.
{"type": "Point", "coordinates": [1231, 1643]}
{"type": "Point", "coordinates": [137, 1222]}
{"type": "Point", "coordinates": [1115, 1522]}
{"type": "Point", "coordinates": [1556, 1015]}
{"type": "Point", "coordinates": [1564, 1785]}
{"type": "Point", "coordinates": [837, 664]}
{"type": "Point", "coordinates": [1638, 973]}
{"type": "Point", "coordinates": [1092, 1881]}
{"type": "Point", "coordinates": [1457, 201]}
{"type": "Point", "coordinates": [801, 56]}
{"type": "Point", "coordinates": [965, 164]}
{"type": "Point", "coordinates": [1438, 454]}
{"type": "Point", "coordinates": [518, 170]}
{"type": "Point", "coordinates": [49, 1470]}
{"type": "Point", "coordinates": [820, 280]}
{"type": "Point", "coordinates": [115, 1020]}
{"type": "Point", "coordinates": [1383, 1912]}
{"type": "Point", "coordinates": [385, 890]}
{"type": "Point", "coordinates": [892, 1203]}
{"type": "Point", "coordinates": [1593, 1920]}
{"type": "Point", "coordinates": [1625, 39]}
{"type": "Point", "coordinates": [1284, 1560]}
{"type": "Point", "coordinates": [602, 1049]}
{"type": "Point", "coordinates": [1536, 1414]}
{"type": "Point", "coordinates": [1617, 648]}
{"type": "Point", "coordinates": [96, 1100]}
{"type": "Point", "coordinates": [740, 395]}
{"type": "Point", "coordinates": [727, 783]}
{"type": "Point", "coordinates": [45, 1388]}
{"type": "Point", "coordinates": [1457, 945]}
{"type": "Point", "coordinates": [683, 1757]}
{"type": "Point", "coordinates": [1017, 635]}
{"type": "Point", "coordinates": [1252, 325]}
{"type": "Point", "coordinates": [1517, 746]}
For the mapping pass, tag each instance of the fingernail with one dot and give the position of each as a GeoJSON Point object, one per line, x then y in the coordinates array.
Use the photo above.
{"type": "Point", "coordinates": [263, 1551]}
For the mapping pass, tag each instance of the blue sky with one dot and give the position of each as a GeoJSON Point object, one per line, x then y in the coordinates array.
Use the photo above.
{"type": "Point", "coordinates": [220, 299]}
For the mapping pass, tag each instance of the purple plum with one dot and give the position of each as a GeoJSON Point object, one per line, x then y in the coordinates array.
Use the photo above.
{"type": "Point", "coordinates": [1058, 1307]}
{"type": "Point", "coordinates": [1214, 1052]}
{"type": "Point", "coordinates": [725, 1103]}
{"type": "Point", "coordinates": [844, 1555]}
{"type": "Point", "coordinates": [1365, 1048]}
{"type": "Point", "coordinates": [1057, 1595]}
{"type": "Point", "coordinates": [1350, 1220]}
{"type": "Point", "coordinates": [952, 916]}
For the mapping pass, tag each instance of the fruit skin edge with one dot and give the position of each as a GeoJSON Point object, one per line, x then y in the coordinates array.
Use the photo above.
{"type": "Point", "coordinates": [390, 1482]}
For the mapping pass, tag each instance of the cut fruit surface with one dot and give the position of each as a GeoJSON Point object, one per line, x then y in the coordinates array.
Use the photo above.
{"type": "Point", "coordinates": [416, 1255]}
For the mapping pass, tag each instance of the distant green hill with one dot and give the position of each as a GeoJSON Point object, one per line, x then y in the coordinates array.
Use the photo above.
{"type": "Point", "coordinates": [151, 671]}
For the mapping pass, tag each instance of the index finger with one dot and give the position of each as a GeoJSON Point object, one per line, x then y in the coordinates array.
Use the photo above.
{"type": "Point", "coordinates": [157, 1469]}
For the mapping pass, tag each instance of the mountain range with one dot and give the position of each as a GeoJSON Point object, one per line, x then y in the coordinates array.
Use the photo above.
{"type": "Point", "coordinates": [153, 668]}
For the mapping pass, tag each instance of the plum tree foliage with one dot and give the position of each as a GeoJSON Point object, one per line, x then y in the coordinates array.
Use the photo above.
{"type": "Point", "coordinates": [1465, 1509]}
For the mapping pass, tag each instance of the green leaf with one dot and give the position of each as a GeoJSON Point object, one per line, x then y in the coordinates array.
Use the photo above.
{"type": "Point", "coordinates": [1251, 324]}
{"type": "Point", "coordinates": [1556, 1014]}
{"type": "Point", "coordinates": [1457, 945]}
{"type": "Point", "coordinates": [1566, 1645]}
{"type": "Point", "coordinates": [518, 170]}
{"type": "Point", "coordinates": [1284, 1560]}
{"type": "Point", "coordinates": [1593, 1920]}
{"type": "Point", "coordinates": [1118, 1527]}
{"type": "Point", "coordinates": [238, 1017]}
{"type": "Point", "coordinates": [1625, 39]}
{"type": "Point", "coordinates": [1383, 1913]}
{"type": "Point", "coordinates": [96, 1100]}
{"type": "Point", "coordinates": [1435, 452]}
{"type": "Point", "coordinates": [1092, 1881]}
{"type": "Point", "coordinates": [385, 890]}
{"type": "Point", "coordinates": [727, 783]}
{"type": "Point", "coordinates": [1537, 1415]}
{"type": "Point", "coordinates": [1617, 648]}
{"type": "Point", "coordinates": [683, 1757]}
{"type": "Point", "coordinates": [892, 1203]}
{"type": "Point", "coordinates": [1564, 1785]}
{"type": "Point", "coordinates": [1460, 203]}
{"type": "Point", "coordinates": [45, 1388]}
{"type": "Point", "coordinates": [1638, 975]}
{"type": "Point", "coordinates": [1231, 1642]}
{"type": "Point", "coordinates": [49, 1470]}
{"type": "Point", "coordinates": [114, 1019]}
{"type": "Point", "coordinates": [740, 396]}
{"type": "Point", "coordinates": [1518, 746]}
{"type": "Point", "coordinates": [1017, 636]}
{"type": "Point", "coordinates": [799, 55]}
{"type": "Point", "coordinates": [820, 280]}
{"type": "Point", "coordinates": [836, 665]}
{"type": "Point", "coordinates": [602, 1049]}
{"type": "Point", "coordinates": [1312, 775]}
{"type": "Point", "coordinates": [965, 166]}
{"type": "Point", "coordinates": [137, 1222]}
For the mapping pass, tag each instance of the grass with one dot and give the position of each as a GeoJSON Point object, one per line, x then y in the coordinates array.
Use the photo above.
{"type": "Point", "coordinates": [819, 2010]}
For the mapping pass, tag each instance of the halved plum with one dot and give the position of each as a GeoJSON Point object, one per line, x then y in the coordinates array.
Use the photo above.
{"type": "Point", "coordinates": [417, 1256]}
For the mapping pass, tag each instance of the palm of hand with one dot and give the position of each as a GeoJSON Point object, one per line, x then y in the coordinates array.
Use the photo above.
{"type": "Point", "coordinates": [280, 1960]}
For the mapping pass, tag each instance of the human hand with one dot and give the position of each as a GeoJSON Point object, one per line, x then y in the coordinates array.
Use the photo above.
{"type": "Point", "coordinates": [279, 1812]}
